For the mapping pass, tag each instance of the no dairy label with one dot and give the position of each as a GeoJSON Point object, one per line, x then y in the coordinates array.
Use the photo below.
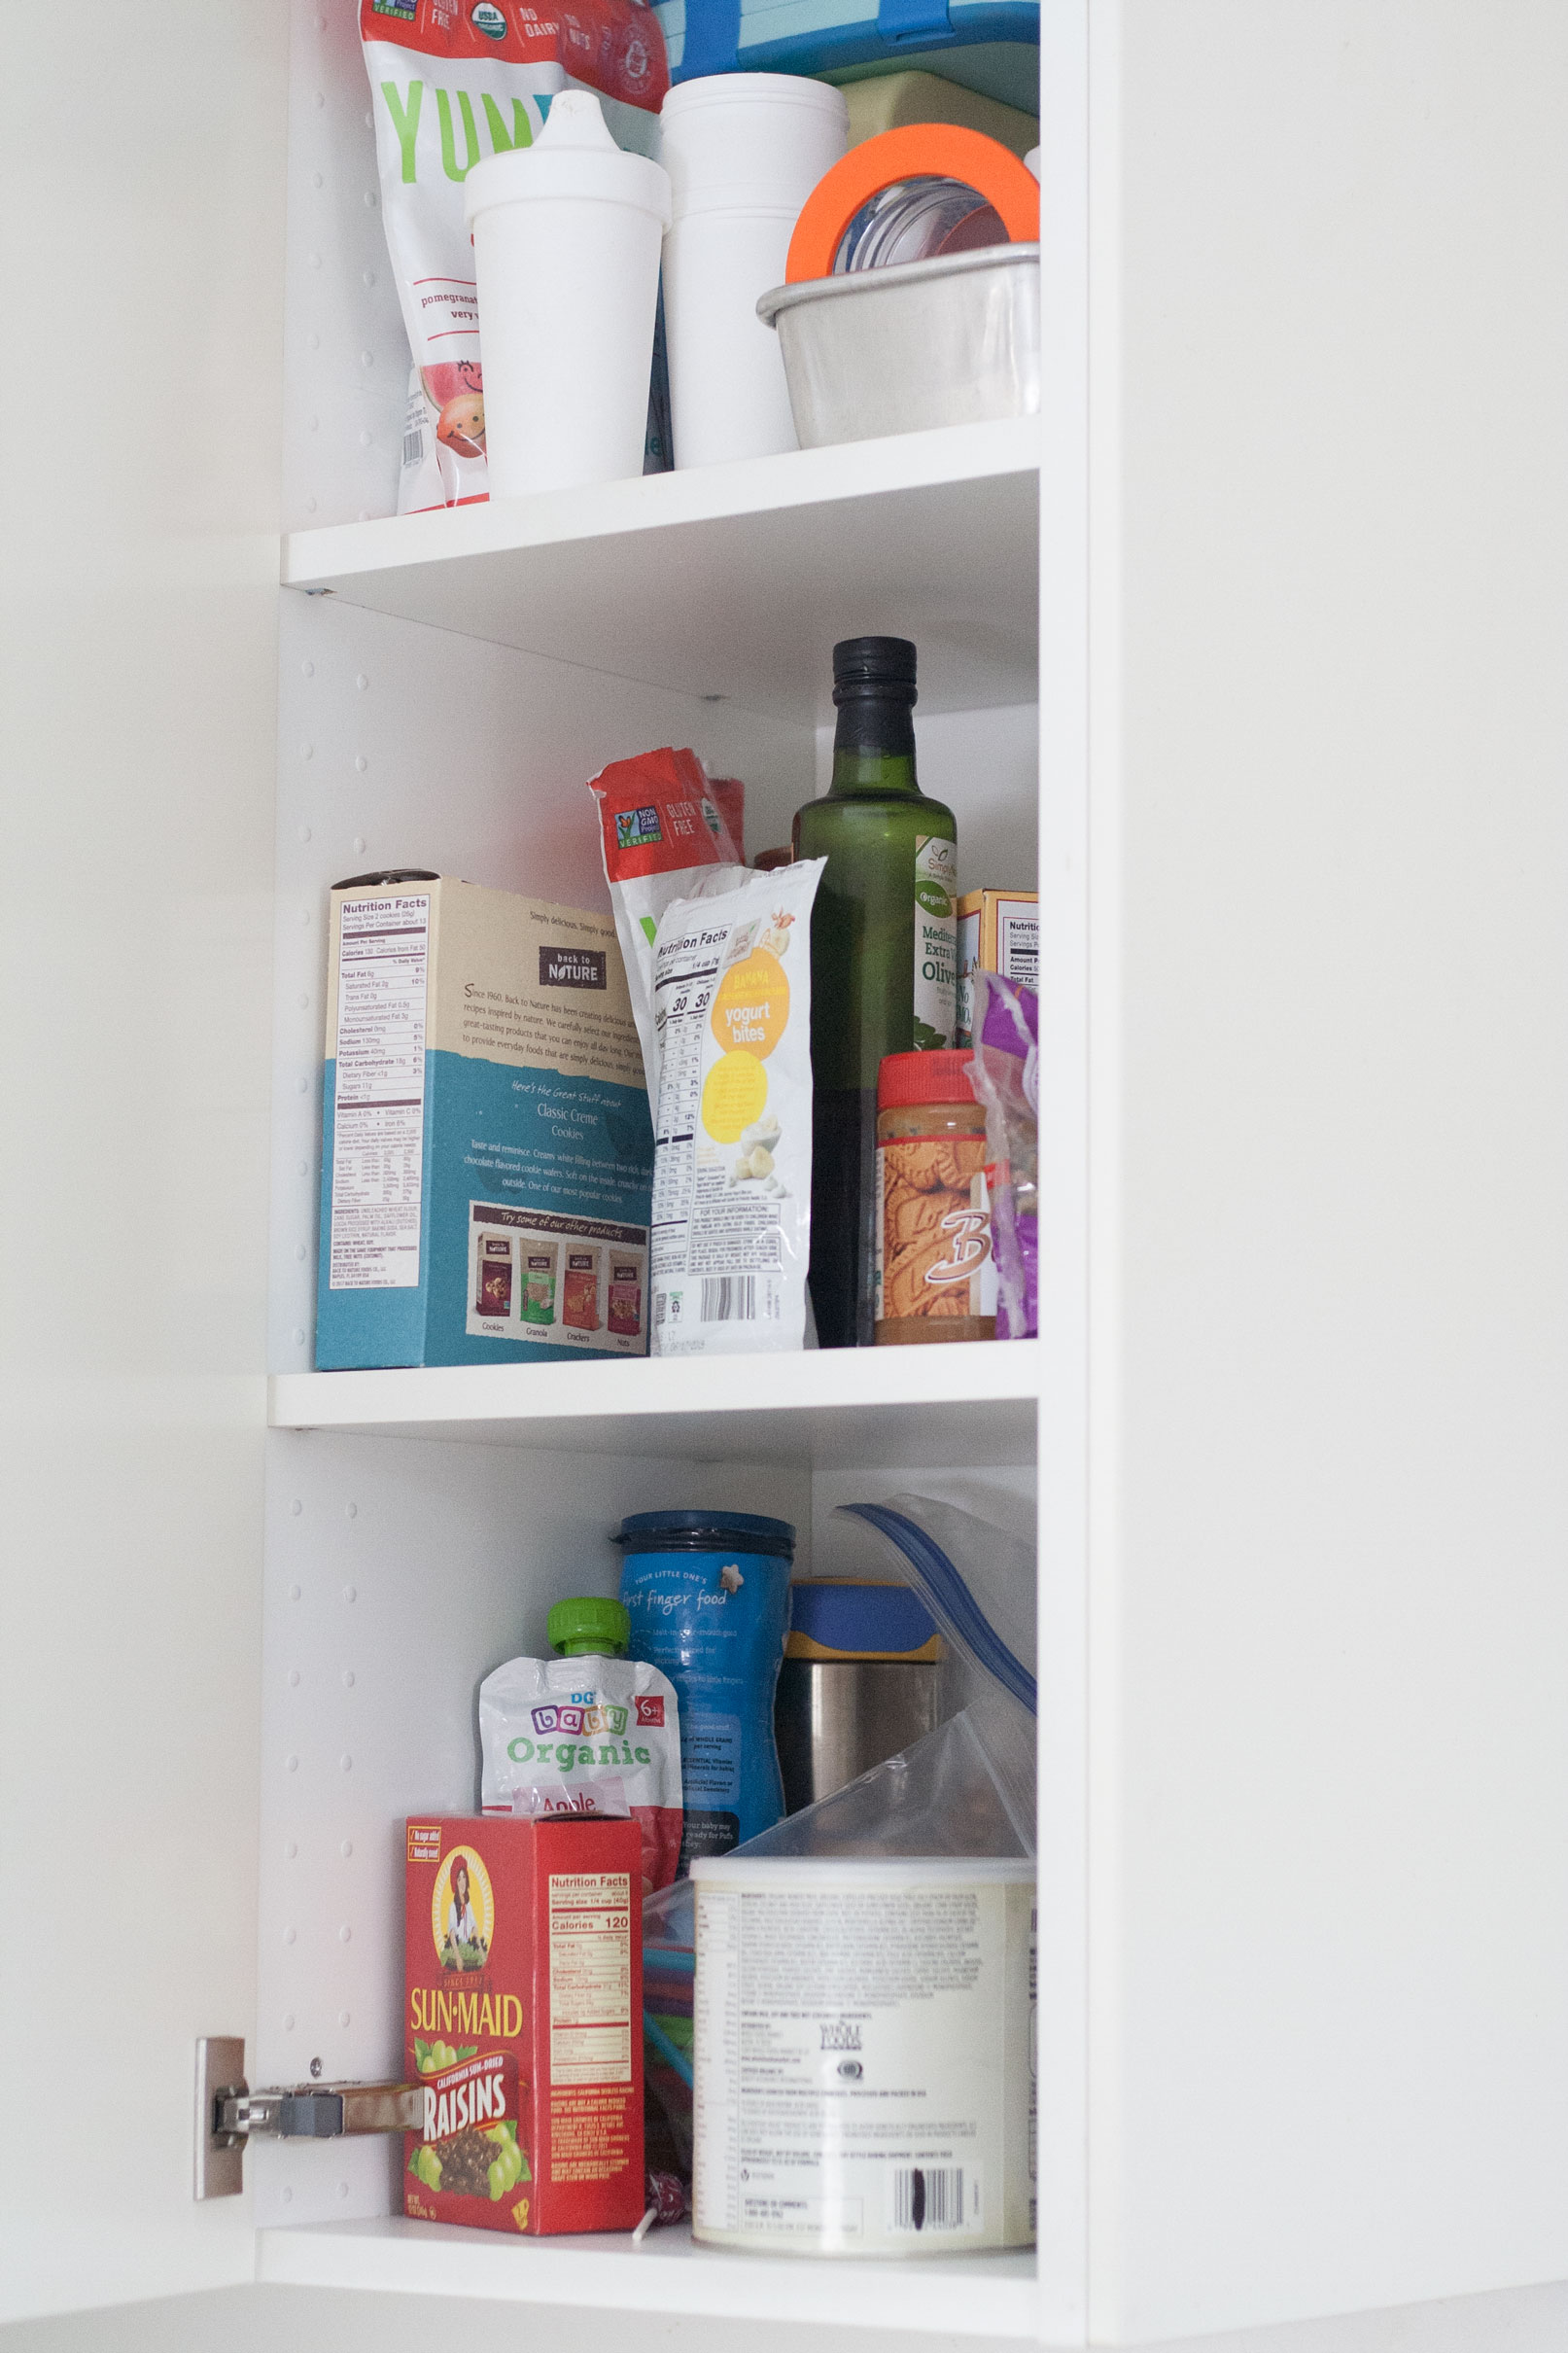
{"type": "Point", "coordinates": [936, 941]}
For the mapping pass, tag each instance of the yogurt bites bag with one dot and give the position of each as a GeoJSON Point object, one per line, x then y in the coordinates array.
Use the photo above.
{"type": "Point", "coordinates": [732, 1134]}
{"type": "Point", "coordinates": [719, 967]}
{"type": "Point", "coordinates": [452, 81]}
{"type": "Point", "coordinates": [586, 1735]}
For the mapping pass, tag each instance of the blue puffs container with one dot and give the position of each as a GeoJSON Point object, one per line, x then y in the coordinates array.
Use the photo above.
{"type": "Point", "coordinates": [708, 1593]}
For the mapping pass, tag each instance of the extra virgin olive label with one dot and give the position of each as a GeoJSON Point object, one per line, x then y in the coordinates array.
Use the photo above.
{"type": "Point", "coordinates": [936, 941]}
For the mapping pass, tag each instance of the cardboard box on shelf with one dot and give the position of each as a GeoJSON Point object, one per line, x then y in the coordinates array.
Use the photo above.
{"type": "Point", "coordinates": [998, 931]}
{"type": "Point", "coordinates": [486, 1148]}
{"type": "Point", "coordinates": [523, 2010]}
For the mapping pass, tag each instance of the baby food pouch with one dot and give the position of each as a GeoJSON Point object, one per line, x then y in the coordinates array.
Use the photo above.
{"type": "Point", "coordinates": [663, 837]}
{"type": "Point", "coordinates": [588, 1735]}
{"type": "Point", "coordinates": [452, 81]}
{"type": "Point", "coordinates": [732, 1132]}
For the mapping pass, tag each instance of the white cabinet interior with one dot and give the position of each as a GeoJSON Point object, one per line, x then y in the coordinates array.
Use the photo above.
{"type": "Point", "coordinates": [446, 688]}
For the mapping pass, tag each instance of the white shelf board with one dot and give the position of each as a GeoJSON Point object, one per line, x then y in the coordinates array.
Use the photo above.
{"type": "Point", "coordinates": [836, 1407]}
{"type": "Point", "coordinates": [732, 583]}
{"type": "Point", "coordinates": [990, 2295]}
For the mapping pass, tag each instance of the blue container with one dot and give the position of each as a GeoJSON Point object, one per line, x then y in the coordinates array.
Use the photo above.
{"type": "Point", "coordinates": [824, 36]}
{"type": "Point", "coordinates": [707, 1595]}
{"type": "Point", "coordinates": [839, 1620]}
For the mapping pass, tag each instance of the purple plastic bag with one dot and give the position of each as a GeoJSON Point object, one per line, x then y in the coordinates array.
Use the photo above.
{"type": "Point", "coordinates": [1004, 1074]}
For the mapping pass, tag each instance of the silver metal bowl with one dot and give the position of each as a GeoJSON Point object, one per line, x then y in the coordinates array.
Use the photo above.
{"type": "Point", "coordinates": [953, 342]}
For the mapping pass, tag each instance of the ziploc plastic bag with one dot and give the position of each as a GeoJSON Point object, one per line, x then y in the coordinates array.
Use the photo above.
{"type": "Point", "coordinates": [978, 1583]}
{"type": "Point", "coordinates": [732, 1132]}
{"type": "Point", "coordinates": [669, 1973]}
{"type": "Point", "coordinates": [1005, 1076]}
{"type": "Point", "coordinates": [967, 1788]}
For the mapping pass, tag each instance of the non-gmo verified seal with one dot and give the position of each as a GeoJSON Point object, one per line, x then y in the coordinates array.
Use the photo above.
{"type": "Point", "coordinates": [489, 20]}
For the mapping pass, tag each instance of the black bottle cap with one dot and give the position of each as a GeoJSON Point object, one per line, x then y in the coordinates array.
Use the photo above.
{"type": "Point", "coordinates": [878, 665]}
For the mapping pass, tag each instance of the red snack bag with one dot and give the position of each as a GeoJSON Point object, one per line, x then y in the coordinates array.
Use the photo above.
{"type": "Point", "coordinates": [523, 2021]}
{"type": "Point", "coordinates": [663, 838]}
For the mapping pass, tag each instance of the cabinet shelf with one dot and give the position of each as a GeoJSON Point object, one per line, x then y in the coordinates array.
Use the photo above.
{"type": "Point", "coordinates": [988, 2296]}
{"type": "Point", "coordinates": [730, 582]}
{"type": "Point", "coordinates": [836, 1407]}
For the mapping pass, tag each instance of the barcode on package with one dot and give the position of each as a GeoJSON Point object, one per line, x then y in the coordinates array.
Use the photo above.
{"type": "Point", "coordinates": [413, 448]}
{"type": "Point", "coordinates": [729, 1299]}
{"type": "Point", "coordinates": [933, 2198]}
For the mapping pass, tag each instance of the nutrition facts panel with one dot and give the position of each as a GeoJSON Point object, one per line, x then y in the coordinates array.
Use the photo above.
{"type": "Point", "coordinates": [682, 994]}
{"type": "Point", "coordinates": [590, 1976]}
{"type": "Point", "coordinates": [379, 1102]}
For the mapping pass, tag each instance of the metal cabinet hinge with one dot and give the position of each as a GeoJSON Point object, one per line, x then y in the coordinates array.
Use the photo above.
{"type": "Point", "coordinates": [229, 2113]}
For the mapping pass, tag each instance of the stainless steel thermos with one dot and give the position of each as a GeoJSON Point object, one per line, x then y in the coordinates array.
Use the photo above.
{"type": "Point", "coordinates": [861, 1680]}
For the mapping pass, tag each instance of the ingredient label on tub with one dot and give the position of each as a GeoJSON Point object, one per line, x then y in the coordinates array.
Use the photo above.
{"type": "Point", "coordinates": [848, 2082]}
{"type": "Point", "coordinates": [590, 1976]}
{"type": "Point", "coordinates": [379, 1102]}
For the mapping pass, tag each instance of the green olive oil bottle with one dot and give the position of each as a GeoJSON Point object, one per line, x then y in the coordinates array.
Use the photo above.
{"type": "Point", "coordinates": [883, 954]}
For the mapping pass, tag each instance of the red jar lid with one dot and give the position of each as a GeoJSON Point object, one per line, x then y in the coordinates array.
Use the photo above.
{"type": "Point", "coordinates": [939, 1075]}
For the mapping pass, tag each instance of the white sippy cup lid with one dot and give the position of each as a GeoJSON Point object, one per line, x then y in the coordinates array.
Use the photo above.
{"type": "Point", "coordinates": [573, 157]}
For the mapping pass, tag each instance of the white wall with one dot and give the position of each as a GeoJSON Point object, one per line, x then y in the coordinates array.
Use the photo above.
{"type": "Point", "coordinates": [141, 184]}
{"type": "Point", "coordinates": [1329, 1936]}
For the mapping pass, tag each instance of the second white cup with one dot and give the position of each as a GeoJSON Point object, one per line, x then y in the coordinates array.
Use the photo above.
{"type": "Point", "coordinates": [744, 152]}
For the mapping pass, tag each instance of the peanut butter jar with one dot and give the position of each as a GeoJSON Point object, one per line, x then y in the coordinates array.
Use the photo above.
{"type": "Point", "coordinates": [934, 1276]}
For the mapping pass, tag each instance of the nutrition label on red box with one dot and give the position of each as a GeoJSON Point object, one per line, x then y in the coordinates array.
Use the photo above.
{"type": "Point", "coordinates": [379, 1102]}
{"type": "Point", "coordinates": [590, 1976]}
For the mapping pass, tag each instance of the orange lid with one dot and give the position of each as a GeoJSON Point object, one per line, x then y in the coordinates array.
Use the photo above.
{"type": "Point", "coordinates": [942, 150]}
{"type": "Point", "coordinates": [940, 1074]}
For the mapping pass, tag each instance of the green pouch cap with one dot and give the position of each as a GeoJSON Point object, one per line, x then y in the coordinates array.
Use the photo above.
{"type": "Point", "coordinates": [589, 1624]}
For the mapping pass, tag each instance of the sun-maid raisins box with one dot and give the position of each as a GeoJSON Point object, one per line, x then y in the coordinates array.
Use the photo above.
{"type": "Point", "coordinates": [487, 1156]}
{"type": "Point", "coordinates": [523, 1964]}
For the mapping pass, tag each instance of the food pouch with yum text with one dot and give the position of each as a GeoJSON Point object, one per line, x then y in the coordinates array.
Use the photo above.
{"type": "Point", "coordinates": [451, 82]}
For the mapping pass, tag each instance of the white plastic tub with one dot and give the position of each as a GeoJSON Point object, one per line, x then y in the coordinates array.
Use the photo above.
{"type": "Point", "coordinates": [863, 2054]}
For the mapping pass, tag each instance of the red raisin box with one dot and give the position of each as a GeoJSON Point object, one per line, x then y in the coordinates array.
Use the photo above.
{"type": "Point", "coordinates": [523, 1966]}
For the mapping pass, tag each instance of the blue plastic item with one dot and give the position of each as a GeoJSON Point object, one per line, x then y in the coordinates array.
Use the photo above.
{"type": "Point", "coordinates": [953, 1602]}
{"type": "Point", "coordinates": [824, 36]}
{"type": "Point", "coordinates": [707, 1595]}
{"type": "Point", "coordinates": [887, 1621]}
